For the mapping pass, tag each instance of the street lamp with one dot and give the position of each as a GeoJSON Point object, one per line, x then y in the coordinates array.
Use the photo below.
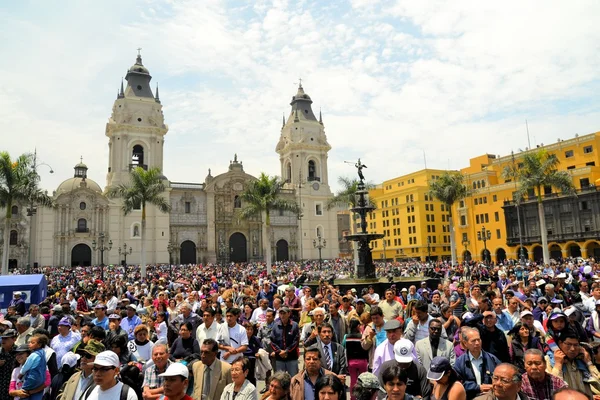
{"type": "Point", "coordinates": [319, 243]}
{"type": "Point", "coordinates": [102, 248]}
{"type": "Point", "coordinates": [32, 209]}
{"type": "Point", "coordinates": [123, 252]}
{"type": "Point", "coordinates": [484, 235]}
{"type": "Point", "coordinates": [466, 243]}
{"type": "Point", "coordinates": [428, 249]}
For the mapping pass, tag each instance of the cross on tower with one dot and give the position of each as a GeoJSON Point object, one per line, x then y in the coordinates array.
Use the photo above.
{"type": "Point", "coordinates": [139, 49]}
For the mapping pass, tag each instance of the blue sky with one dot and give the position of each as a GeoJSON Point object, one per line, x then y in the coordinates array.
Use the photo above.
{"type": "Point", "coordinates": [455, 79]}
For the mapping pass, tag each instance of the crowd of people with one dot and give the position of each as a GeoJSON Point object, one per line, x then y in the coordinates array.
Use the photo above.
{"type": "Point", "coordinates": [502, 332]}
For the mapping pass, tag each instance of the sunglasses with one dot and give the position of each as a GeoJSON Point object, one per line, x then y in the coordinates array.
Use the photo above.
{"type": "Point", "coordinates": [102, 369]}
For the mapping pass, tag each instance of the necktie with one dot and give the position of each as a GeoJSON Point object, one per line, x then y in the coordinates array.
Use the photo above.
{"type": "Point", "coordinates": [206, 385]}
{"type": "Point", "coordinates": [328, 358]}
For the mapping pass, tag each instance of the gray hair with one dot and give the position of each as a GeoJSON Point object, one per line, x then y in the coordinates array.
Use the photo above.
{"type": "Point", "coordinates": [185, 304]}
{"type": "Point", "coordinates": [549, 286]}
{"type": "Point", "coordinates": [517, 374]}
{"type": "Point", "coordinates": [25, 321]}
{"type": "Point", "coordinates": [284, 379]}
{"type": "Point", "coordinates": [535, 352]}
{"type": "Point", "coordinates": [159, 344]}
{"type": "Point", "coordinates": [465, 330]}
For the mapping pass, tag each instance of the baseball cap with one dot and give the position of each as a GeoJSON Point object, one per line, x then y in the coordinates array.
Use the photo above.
{"type": "Point", "coordinates": [404, 289]}
{"type": "Point", "coordinates": [360, 300]}
{"type": "Point", "coordinates": [92, 347]}
{"type": "Point", "coordinates": [114, 316]}
{"type": "Point", "coordinates": [70, 359]}
{"type": "Point", "coordinates": [369, 381]}
{"type": "Point", "coordinates": [557, 315]}
{"type": "Point", "coordinates": [403, 351]}
{"type": "Point", "coordinates": [542, 299]}
{"type": "Point", "coordinates": [176, 369]}
{"type": "Point", "coordinates": [100, 307]}
{"type": "Point", "coordinates": [284, 309]}
{"type": "Point", "coordinates": [57, 308]}
{"type": "Point", "coordinates": [65, 321]}
{"type": "Point", "coordinates": [107, 359]}
{"type": "Point", "coordinates": [439, 366]}
{"type": "Point", "coordinates": [391, 325]}
{"type": "Point", "coordinates": [17, 294]}
{"type": "Point", "coordinates": [526, 313]}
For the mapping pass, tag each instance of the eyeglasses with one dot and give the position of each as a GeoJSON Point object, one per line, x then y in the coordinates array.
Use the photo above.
{"type": "Point", "coordinates": [574, 345]}
{"type": "Point", "coordinates": [102, 369]}
{"type": "Point", "coordinates": [504, 381]}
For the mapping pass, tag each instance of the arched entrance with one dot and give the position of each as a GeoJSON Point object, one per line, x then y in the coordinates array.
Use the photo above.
{"type": "Point", "coordinates": [81, 255]}
{"type": "Point", "coordinates": [574, 250]}
{"type": "Point", "coordinates": [12, 263]}
{"type": "Point", "coordinates": [466, 256]}
{"type": "Point", "coordinates": [237, 248]}
{"type": "Point", "coordinates": [555, 252]}
{"type": "Point", "coordinates": [282, 250]}
{"type": "Point", "coordinates": [187, 252]}
{"type": "Point", "coordinates": [500, 255]}
{"type": "Point", "coordinates": [593, 250]}
{"type": "Point", "coordinates": [538, 253]}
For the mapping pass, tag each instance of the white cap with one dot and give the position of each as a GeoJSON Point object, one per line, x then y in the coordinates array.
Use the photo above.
{"type": "Point", "coordinates": [176, 369]}
{"type": "Point", "coordinates": [107, 359]}
{"type": "Point", "coordinates": [70, 359]}
{"type": "Point", "coordinates": [6, 322]}
{"type": "Point", "coordinates": [526, 313]}
{"type": "Point", "coordinates": [403, 351]}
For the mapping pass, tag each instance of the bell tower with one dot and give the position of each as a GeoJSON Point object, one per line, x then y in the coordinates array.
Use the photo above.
{"type": "Point", "coordinates": [303, 151]}
{"type": "Point", "coordinates": [136, 127]}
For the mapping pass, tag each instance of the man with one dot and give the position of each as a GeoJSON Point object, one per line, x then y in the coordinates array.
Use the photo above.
{"type": "Point", "coordinates": [418, 326]}
{"type": "Point", "coordinates": [569, 394]}
{"type": "Point", "coordinates": [338, 321]}
{"type": "Point", "coordinates": [506, 384]}
{"type": "Point", "coordinates": [114, 327]}
{"type": "Point", "coordinates": [334, 355]}
{"type": "Point", "coordinates": [417, 383]}
{"type": "Point", "coordinates": [101, 319]}
{"type": "Point", "coordinates": [584, 291]}
{"type": "Point", "coordinates": [292, 302]}
{"type": "Point", "coordinates": [373, 334]}
{"type": "Point", "coordinates": [310, 331]}
{"type": "Point", "coordinates": [187, 315]}
{"type": "Point", "coordinates": [209, 328]}
{"type": "Point", "coordinates": [264, 332]}
{"type": "Point", "coordinates": [152, 388]}
{"type": "Point", "coordinates": [346, 307]}
{"type": "Point", "coordinates": [24, 329]}
{"type": "Point", "coordinates": [108, 387]}
{"type": "Point", "coordinates": [232, 337]}
{"type": "Point", "coordinates": [211, 375]}
{"type": "Point", "coordinates": [84, 330]}
{"type": "Point", "coordinates": [434, 307]}
{"type": "Point", "coordinates": [359, 311]}
{"type": "Point", "coordinates": [7, 358]}
{"type": "Point", "coordinates": [413, 295]}
{"type": "Point", "coordinates": [18, 303]}
{"type": "Point", "coordinates": [391, 308]}
{"type": "Point", "coordinates": [572, 363]}
{"type": "Point", "coordinates": [259, 315]}
{"type": "Point", "coordinates": [537, 384]}
{"type": "Point", "coordinates": [385, 351]}
{"type": "Point", "coordinates": [83, 379]}
{"type": "Point", "coordinates": [503, 320]}
{"type": "Point", "coordinates": [130, 322]}
{"type": "Point", "coordinates": [434, 346]}
{"type": "Point", "coordinates": [267, 292]}
{"type": "Point", "coordinates": [372, 298]}
{"type": "Point", "coordinates": [458, 300]}
{"type": "Point", "coordinates": [590, 303]}
{"type": "Point", "coordinates": [37, 319]}
{"type": "Point", "coordinates": [66, 338]}
{"type": "Point", "coordinates": [176, 382]}
{"type": "Point", "coordinates": [539, 312]}
{"type": "Point", "coordinates": [284, 343]}
{"type": "Point", "coordinates": [306, 295]}
{"type": "Point", "coordinates": [475, 365]}
{"type": "Point", "coordinates": [512, 311]}
{"type": "Point", "coordinates": [303, 383]}
{"type": "Point", "coordinates": [493, 339]}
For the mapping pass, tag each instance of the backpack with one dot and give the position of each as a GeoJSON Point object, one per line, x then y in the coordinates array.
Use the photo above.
{"type": "Point", "coordinates": [124, 391]}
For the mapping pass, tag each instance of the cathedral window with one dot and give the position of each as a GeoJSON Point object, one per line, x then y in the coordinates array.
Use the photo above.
{"type": "Point", "coordinates": [14, 238]}
{"type": "Point", "coordinates": [14, 210]}
{"type": "Point", "coordinates": [136, 231]}
{"type": "Point", "coordinates": [82, 225]}
{"type": "Point", "coordinates": [82, 205]}
{"type": "Point", "coordinates": [312, 171]}
{"type": "Point", "coordinates": [137, 157]}
{"type": "Point", "coordinates": [289, 172]}
{"type": "Point", "coordinates": [237, 202]}
{"type": "Point", "coordinates": [319, 208]}
{"type": "Point", "coordinates": [188, 207]}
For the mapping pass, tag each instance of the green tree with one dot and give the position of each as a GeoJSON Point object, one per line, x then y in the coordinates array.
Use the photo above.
{"type": "Point", "coordinates": [18, 183]}
{"type": "Point", "coordinates": [449, 189]}
{"type": "Point", "coordinates": [262, 196]}
{"type": "Point", "coordinates": [145, 188]}
{"type": "Point", "coordinates": [539, 170]}
{"type": "Point", "coordinates": [346, 197]}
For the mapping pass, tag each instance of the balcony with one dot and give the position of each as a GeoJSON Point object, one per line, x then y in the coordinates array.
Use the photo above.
{"type": "Point", "coordinates": [82, 230]}
{"type": "Point", "coordinates": [143, 166]}
{"type": "Point", "coordinates": [313, 178]}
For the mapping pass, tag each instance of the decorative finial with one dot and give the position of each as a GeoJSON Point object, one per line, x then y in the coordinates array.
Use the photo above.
{"type": "Point", "coordinates": [157, 98]}
{"type": "Point", "coordinates": [81, 159]}
{"type": "Point", "coordinates": [283, 120]}
{"type": "Point", "coordinates": [121, 93]}
{"type": "Point", "coordinates": [320, 116]}
{"type": "Point", "coordinates": [209, 171]}
{"type": "Point", "coordinates": [138, 60]}
{"type": "Point", "coordinates": [300, 85]}
{"type": "Point", "coordinates": [139, 49]}
{"type": "Point", "coordinates": [235, 158]}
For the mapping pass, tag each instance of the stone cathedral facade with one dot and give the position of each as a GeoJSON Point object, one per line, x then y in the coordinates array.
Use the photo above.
{"type": "Point", "coordinates": [203, 225]}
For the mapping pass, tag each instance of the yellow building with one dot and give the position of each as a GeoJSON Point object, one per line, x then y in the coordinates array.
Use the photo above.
{"type": "Point", "coordinates": [415, 225]}
{"type": "Point", "coordinates": [573, 226]}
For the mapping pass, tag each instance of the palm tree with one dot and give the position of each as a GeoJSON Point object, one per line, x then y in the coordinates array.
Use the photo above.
{"type": "Point", "coordinates": [540, 170]}
{"type": "Point", "coordinates": [146, 187]}
{"type": "Point", "coordinates": [449, 189]}
{"type": "Point", "coordinates": [262, 196]}
{"type": "Point", "coordinates": [18, 183]}
{"type": "Point", "coordinates": [346, 197]}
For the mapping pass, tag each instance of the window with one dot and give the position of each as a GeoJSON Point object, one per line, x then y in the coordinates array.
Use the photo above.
{"type": "Point", "coordinates": [588, 149]}
{"type": "Point", "coordinates": [591, 164]}
{"type": "Point", "coordinates": [82, 225]}
{"type": "Point", "coordinates": [14, 210]}
{"type": "Point", "coordinates": [312, 170]}
{"type": "Point", "coordinates": [584, 183]}
{"type": "Point", "coordinates": [583, 205]}
{"type": "Point", "coordinates": [494, 198]}
{"type": "Point", "coordinates": [82, 205]}
{"type": "Point", "coordinates": [568, 153]}
{"type": "Point", "coordinates": [237, 202]}
{"type": "Point", "coordinates": [465, 237]}
{"type": "Point", "coordinates": [433, 228]}
{"type": "Point", "coordinates": [487, 218]}
{"type": "Point", "coordinates": [14, 238]}
{"type": "Point", "coordinates": [496, 216]}
{"type": "Point", "coordinates": [427, 217]}
{"type": "Point", "coordinates": [498, 234]}
{"type": "Point", "coordinates": [318, 208]}
{"type": "Point", "coordinates": [136, 231]}
{"type": "Point", "coordinates": [571, 167]}
{"type": "Point", "coordinates": [461, 203]}
{"type": "Point", "coordinates": [188, 206]}
{"type": "Point", "coordinates": [426, 207]}
{"type": "Point", "coordinates": [477, 219]}
{"type": "Point", "coordinates": [485, 200]}
{"type": "Point", "coordinates": [463, 220]}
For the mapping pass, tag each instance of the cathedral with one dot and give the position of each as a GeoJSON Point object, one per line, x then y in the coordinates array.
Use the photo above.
{"type": "Point", "coordinates": [88, 228]}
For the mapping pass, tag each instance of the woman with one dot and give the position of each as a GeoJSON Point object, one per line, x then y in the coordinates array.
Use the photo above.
{"type": "Point", "coordinates": [494, 288]}
{"type": "Point", "coordinates": [278, 386]}
{"type": "Point", "coordinates": [305, 317]}
{"type": "Point", "coordinates": [246, 314]}
{"type": "Point", "coordinates": [394, 382]}
{"type": "Point", "coordinates": [172, 310]}
{"type": "Point", "coordinates": [240, 388]}
{"type": "Point", "coordinates": [185, 345]}
{"type": "Point", "coordinates": [367, 387]}
{"type": "Point", "coordinates": [118, 344]}
{"type": "Point", "coordinates": [522, 340]}
{"type": "Point", "coordinates": [358, 358]}
{"type": "Point", "coordinates": [251, 352]}
{"type": "Point", "coordinates": [446, 384]}
{"type": "Point", "coordinates": [450, 322]}
{"type": "Point", "coordinates": [15, 388]}
{"type": "Point", "coordinates": [329, 387]}
{"type": "Point", "coordinates": [141, 346]}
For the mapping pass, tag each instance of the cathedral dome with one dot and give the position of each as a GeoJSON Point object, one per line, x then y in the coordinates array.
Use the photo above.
{"type": "Point", "coordinates": [139, 68]}
{"type": "Point", "coordinates": [75, 183]}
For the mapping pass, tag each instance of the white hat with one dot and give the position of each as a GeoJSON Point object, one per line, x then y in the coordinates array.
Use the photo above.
{"type": "Point", "coordinates": [17, 294]}
{"type": "Point", "coordinates": [6, 322]}
{"type": "Point", "coordinates": [526, 313]}
{"type": "Point", "coordinates": [176, 369]}
{"type": "Point", "coordinates": [107, 359]}
{"type": "Point", "coordinates": [70, 359]}
{"type": "Point", "coordinates": [403, 351]}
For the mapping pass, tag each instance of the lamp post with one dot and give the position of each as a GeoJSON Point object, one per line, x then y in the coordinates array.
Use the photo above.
{"type": "Point", "coordinates": [32, 209]}
{"type": "Point", "coordinates": [428, 249]}
{"type": "Point", "coordinates": [170, 249]}
{"type": "Point", "coordinates": [99, 245]}
{"type": "Point", "coordinates": [484, 235]}
{"type": "Point", "coordinates": [466, 243]}
{"type": "Point", "coordinates": [319, 243]}
{"type": "Point", "coordinates": [125, 253]}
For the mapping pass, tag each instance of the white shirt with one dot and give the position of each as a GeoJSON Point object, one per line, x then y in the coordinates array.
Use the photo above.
{"type": "Point", "coordinates": [207, 333]}
{"type": "Point", "coordinates": [259, 316]}
{"type": "Point", "coordinates": [476, 365]}
{"type": "Point", "coordinates": [114, 393]}
{"type": "Point", "coordinates": [234, 337]}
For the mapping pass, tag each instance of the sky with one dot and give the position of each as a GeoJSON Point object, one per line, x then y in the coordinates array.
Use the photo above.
{"type": "Point", "coordinates": [400, 83]}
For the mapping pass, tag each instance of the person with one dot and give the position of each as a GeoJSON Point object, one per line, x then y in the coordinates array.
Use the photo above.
{"type": "Point", "coordinates": [7, 358]}
{"type": "Point", "coordinates": [493, 340]}
{"type": "Point", "coordinates": [185, 345]}
{"type": "Point", "coordinates": [418, 327]}
{"type": "Point", "coordinates": [33, 372]}
{"type": "Point", "coordinates": [101, 319]}
{"type": "Point", "coordinates": [310, 331]}
{"type": "Point", "coordinates": [141, 346]}
{"type": "Point", "coordinates": [284, 341]}
{"type": "Point", "coordinates": [373, 334]}
{"type": "Point", "coordinates": [503, 320]}
{"type": "Point", "coordinates": [18, 303]}
{"type": "Point", "coordinates": [232, 337]}
{"type": "Point", "coordinates": [209, 328]}
{"type": "Point", "coordinates": [68, 368]}
{"type": "Point", "coordinates": [391, 308]}
{"type": "Point", "coordinates": [187, 315]}
{"type": "Point", "coordinates": [358, 358]}
{"type": "Point", "coordinates": [434, 345]}
{"type": "Point", "coordinates": [80, 381]}
{"type": "Point", "coordinates": [450, 322]}
{"type": "Point", "coordinates": [268, 292]}
{"type": "Point", "coordinates": [337, 321]}
{"type": "Point", "coordinates": [152, 386]}
{"type": "Point", "coordinates": [475, 365]}
{"type": "Point", "coordinates": [367, 387]}
{"type": "Point", "coordinates": [259, 315]}
{"type": "Point", "coordinates": [567, 393]}
{"type": "Point", "coordinates": [394, 381]}
{"type": "Point", "coordinates": [522, 340]}
{"type": "Point", "coordinates": [211, 375]}
{"type": "Point", "coordinates": [118, 345]}
{"type": "Point", "coordinates": [303, 383]}
{"type": "Point", "coordinates": [130, 322]}
{"type": "Point", "coordinates": [278, 386]}
{"type": "Point", "coordinates": [114, 327]}
{"type": "Point", "coordinates": [15, 389]}
{"type": "Point", "coordinates": [251, 352]}
{"type": "Point", "coordinates": [106, 385]}
{"type": "Point", "coordinates": [334, 355]}
{"type": "Point", "coordinates": [406, 359]}
{"type": "Point", "coordinates": [537, 383]}
{"type": "Point", "coordinates": [240, 388]}
{"type": "Point", "coordinates": [446, 383]}
{"type": "Point", "coordinates": [385, 351]}
{"type": "Point", "coordinates": [329, 387]}
{"type": "Point", "coordinates": [66, 338]}
{"type": "Point", "coordinates": [24, 329]}
{"type": "Point", "coordinates": [175, 382]}
{"type": "Point", "coordinates": [506, 384]}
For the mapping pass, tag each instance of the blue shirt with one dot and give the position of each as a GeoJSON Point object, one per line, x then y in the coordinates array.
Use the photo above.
{"type": "Point", "coordinates": [103, 323]}
{"type": "Point", "coordinates": [504, 322]}
{"type": "Point", "coordinates": [309, 388]}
